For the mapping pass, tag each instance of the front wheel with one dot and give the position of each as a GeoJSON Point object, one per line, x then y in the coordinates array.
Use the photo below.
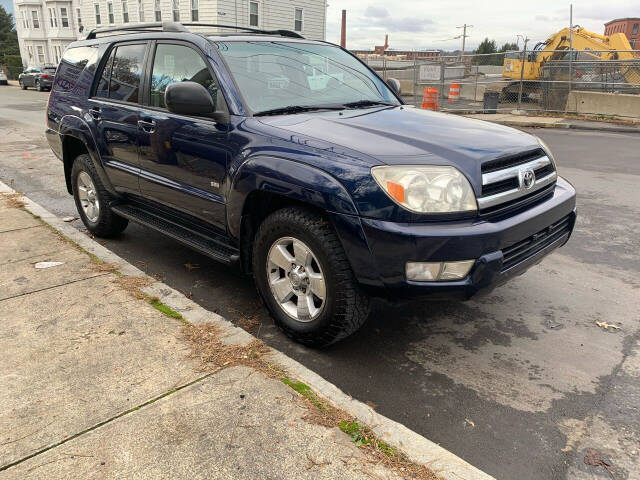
{"type": "Point", "coordinates": [305, 279]}
{"type": "Point", "coordinates": [92, 200]}
{"type": "Point", "coordinates": [22, 85]}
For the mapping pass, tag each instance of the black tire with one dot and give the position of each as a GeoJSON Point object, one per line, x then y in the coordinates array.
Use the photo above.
{"type": "Point", "coordinates": [22, 85]}
{"type": "Point", "coordinates": [108, 224]}
{"type": "Point", "coordinates": [38, 86]}
{"type": "Point", "coordinates": [346, 305]}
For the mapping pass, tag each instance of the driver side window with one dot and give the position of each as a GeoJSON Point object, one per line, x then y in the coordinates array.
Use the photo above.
{"type": "Point", "coordinates": [178, 63]}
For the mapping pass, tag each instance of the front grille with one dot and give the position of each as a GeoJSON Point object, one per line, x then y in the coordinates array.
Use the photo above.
{"type": "Point", "coordinates": [529, 247]}
{"type": "Point", "coordinates": [504, 181]}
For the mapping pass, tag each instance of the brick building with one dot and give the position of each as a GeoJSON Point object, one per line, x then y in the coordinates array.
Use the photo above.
{"type": "Point", "coordinates": [629, 26]}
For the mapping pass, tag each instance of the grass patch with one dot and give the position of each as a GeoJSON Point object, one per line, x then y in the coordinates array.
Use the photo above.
{"type": "Point", "coordinates": [161, 307]}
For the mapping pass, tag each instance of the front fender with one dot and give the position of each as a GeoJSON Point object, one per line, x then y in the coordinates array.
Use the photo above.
{"type": "Point", "coordinates": [75, 127]}
{"type": "Point", "coordinates": [286, 178]}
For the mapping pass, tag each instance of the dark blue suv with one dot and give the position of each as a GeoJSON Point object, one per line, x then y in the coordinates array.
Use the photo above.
{"type": "Point", "coordinates": [292, 160]}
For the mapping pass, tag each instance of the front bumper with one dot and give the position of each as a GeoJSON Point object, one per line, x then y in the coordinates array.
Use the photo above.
{"type": "Point", "coordinates": [503, 247]}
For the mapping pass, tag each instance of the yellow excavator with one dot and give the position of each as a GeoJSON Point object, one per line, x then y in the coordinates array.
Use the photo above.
{"type": "Point", "coordinates": [555, 51]}
{"type": "Point", "coordinates": [589, 45]}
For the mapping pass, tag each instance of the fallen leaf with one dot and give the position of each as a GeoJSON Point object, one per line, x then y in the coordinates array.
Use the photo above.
{"type": "Point", "coordinates": [69, 219]}
{"type": "Point", "coordinates": [190, 266]}
{"type": "Point", "coordinates": [606, 325]}
{"type": "Point", "coordinates": [470, 422]}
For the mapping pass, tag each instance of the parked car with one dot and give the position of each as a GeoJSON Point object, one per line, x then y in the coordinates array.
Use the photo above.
{"type": "Point", "coordinates": [41, 78]}
{"type": "Point", "coordinates": [327, 191]}
{"type": "Point", "coordinates": [3, 78]}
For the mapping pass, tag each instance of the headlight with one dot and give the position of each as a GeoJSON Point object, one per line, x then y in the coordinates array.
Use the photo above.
{"type": "Point", "coordinates": [546, 149]}
{"type": "Point", "coordinates": [426, 189]}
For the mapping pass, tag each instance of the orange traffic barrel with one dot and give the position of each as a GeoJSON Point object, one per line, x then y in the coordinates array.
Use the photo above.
{"type": "Point", "coordinates": [430, 99]}
{"type": "Point", "coordinates": [454, 92]}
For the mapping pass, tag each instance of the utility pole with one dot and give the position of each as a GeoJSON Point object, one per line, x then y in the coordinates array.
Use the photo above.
{"type": "Point", "coordinates": [464, 35]}
{"type": "Point", "coordinates": [343, 30]}
{"type": "Point", "coordinates": [570, 46]}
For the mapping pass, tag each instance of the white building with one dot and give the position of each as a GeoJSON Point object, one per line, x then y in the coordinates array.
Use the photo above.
{"type": "Point", "coordinates": [46, 27]}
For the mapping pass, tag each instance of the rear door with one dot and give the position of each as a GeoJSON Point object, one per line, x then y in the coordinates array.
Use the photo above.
{"type": "Point", "coordinates": [114, 109]}
{"type": "Point", "coordinates": [183, 160]}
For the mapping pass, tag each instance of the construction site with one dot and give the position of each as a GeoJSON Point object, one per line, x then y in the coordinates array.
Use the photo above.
{"type": "Point", "coordinates": [572, 71]}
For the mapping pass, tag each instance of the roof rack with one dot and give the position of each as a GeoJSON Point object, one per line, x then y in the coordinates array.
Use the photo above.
{"type": "Point", "coordinates": [181, 27]}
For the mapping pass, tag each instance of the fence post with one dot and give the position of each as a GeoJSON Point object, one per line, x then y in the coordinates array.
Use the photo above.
{"type": "Point", "coordinates": [415, 78]}
{"type": "Point", "coordinates": [524, 59]}
{"type": "Point", "coordinates": [442, 67]}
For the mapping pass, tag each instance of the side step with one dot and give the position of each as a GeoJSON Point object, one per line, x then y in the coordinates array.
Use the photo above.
{"type": "Point", "coordinates": [212, 245]}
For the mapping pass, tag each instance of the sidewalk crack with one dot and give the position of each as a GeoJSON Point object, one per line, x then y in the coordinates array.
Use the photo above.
{"type": "Point", "coordinates": [104, 422]}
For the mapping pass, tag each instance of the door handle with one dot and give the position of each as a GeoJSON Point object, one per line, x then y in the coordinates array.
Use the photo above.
{"type": "Point", "coordinates": [148, 127]}
{"type": "Point", "coordinates": [95, 113]}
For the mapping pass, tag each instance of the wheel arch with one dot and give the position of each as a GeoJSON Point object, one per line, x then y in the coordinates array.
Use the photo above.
{"type": "Point", "coordinates": [77, 139]}
{"type": "Point", "coordinates": [264, 184]}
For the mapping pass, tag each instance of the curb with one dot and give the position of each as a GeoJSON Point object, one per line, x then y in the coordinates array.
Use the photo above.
{"type": "Point", "coordinates": [417, 448]}
{"type": "Point", "coordinates": [565, 125]}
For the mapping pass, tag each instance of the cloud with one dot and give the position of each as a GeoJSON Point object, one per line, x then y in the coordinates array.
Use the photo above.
{"type": "Point", "coordinates": [376, 12]}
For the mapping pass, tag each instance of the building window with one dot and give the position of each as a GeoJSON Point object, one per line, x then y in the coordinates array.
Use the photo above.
{"type": "Point", "coordinates": [125, 11]}
{"type": "Point", "coordinates": [194, 10]}
{"type": "Point", "coordinates": [79, 18]}
{"type": "Point", "coordinates": [36, 20]}
{"type": "Point", "coordinates": [25, 19]}
{"type": "Point", "coordinates": [98, 18]}
{"type": "Point", "coordinates": [110, 12]}
{"type": "Point", "coordinates": [254, 19]}
{"type": "Point", "coordinates": [140, 11]}
{"type": "Point", "coordinates": [175, 6]}
{"type": "Point", "coordinates": [64, 17]}
{"type": "Point", "coordinates": [297, 23]}
{"type": "Point", "coordinates": [30, 50]}
{"type": "Point", "coordinates": [635, 29]}
{"type": "Point", "coordinates": [633, 43]}
{"type": "Point", "coordinates": [158, 11]}
{"type": "Point", "coordinates": [53, 19]}
{"type": "Point", "coordinates": [40, 50]}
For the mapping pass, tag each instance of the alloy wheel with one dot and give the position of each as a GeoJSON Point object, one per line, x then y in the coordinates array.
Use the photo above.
{"type": "Point", "coordinates": [88, 197]}
{"type": "Point", "coordinates": [296, 279]}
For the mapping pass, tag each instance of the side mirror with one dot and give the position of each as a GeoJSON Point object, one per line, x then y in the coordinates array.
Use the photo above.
{"type": "Point", "coordinates": [188, 98]}
{"type": "Point", "coordinates": [394, 84]}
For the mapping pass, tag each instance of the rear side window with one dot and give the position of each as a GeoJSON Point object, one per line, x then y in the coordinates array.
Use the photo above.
{"type": "Point", "coordinates": [75, 69]}
{"type": "Point", "coordinates": [178, 63]}
{"type": "Point", "coordinates": [120, 79]}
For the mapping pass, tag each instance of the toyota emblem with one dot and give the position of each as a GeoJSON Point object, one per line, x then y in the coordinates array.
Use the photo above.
{"type": "Point", "coordinates": [527, 179]}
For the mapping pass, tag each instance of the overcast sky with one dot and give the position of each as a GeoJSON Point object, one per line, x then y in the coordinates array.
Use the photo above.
{"type": "Point", "coordinates": [432, 24]}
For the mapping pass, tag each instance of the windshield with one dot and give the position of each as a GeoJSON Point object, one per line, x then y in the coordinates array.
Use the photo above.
{"type": "Point", "coordinates": [275, 75]}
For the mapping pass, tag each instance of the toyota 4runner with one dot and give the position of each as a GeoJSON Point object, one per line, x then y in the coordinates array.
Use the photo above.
{"type": "Point", "coordinates": [295, 162]}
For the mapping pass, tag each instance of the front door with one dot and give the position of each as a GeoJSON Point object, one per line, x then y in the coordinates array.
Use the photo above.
{"type": "Point", "coordinates": [183, 160]}
{"type": "Point", "coordinates": [114, 110]}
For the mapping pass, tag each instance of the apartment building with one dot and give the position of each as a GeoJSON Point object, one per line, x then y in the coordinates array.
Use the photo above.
{"type": "Point", "coordinates": [46, 27]}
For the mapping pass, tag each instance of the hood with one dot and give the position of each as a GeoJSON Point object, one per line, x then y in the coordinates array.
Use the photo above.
{"type": "Point", "coordinates": [407, 135]}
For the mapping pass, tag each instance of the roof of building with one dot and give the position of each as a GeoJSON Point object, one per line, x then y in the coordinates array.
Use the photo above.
{"type": "Point", "coordinates": [627, 19]}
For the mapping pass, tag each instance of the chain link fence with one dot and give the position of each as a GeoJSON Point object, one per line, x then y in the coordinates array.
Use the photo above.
{"type": "Point", "coordinates": [579, 82]}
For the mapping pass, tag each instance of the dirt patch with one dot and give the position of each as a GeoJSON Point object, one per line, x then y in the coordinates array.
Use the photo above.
{"type": "Point", "coordinates": [14, 200]}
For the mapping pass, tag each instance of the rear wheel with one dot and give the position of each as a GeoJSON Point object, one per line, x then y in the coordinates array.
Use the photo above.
{"type": "Point", "coordinates": [38, 86]}
{"type": "Point", "coordinates": [92, 200]}
{"type": "Point", "coordinates": [305, 279]}
{"type": "Point", "coordinates": [22, 85]}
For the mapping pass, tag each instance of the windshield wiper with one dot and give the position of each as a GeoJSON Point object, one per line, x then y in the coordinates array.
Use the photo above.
{"type": "Point", "coordinates": [367, 103]}
{"type": "Point", "coordinates": [295, 109]}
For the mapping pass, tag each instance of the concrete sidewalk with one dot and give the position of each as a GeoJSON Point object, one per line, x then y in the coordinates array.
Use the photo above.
{"type": "Point", "coordinates": [523, 121]}
{"type": "Point", "coordinates": [97, 383]}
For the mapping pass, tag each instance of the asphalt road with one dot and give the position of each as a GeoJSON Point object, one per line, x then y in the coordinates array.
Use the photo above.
{"type": "Point", "coordinates": [521, 383]}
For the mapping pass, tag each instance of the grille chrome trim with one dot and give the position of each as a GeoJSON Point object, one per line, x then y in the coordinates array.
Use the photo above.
{"type": "Point", "coordinates": [502, 197]}
{"type": "Point", "coordinates": [511, 172]}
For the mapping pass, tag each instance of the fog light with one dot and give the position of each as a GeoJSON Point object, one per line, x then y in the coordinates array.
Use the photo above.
{"type": "Point", "coordinates": [438, 271]}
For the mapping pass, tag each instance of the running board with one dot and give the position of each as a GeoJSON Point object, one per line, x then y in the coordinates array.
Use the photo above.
{"type": "Point", "coordinates": [215, 247]}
